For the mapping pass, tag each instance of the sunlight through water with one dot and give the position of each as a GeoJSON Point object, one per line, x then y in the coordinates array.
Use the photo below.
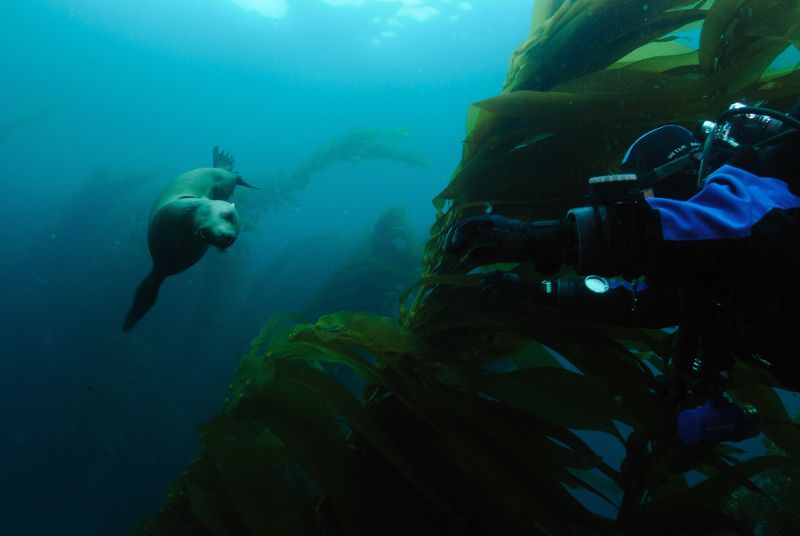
{"type": "Point", "coordinates": [275, 9]}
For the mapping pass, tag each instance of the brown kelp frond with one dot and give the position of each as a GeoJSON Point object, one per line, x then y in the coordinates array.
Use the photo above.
{"type": "Point", "coordinates": [777, 507]}
{"type": "Point", "coordinates": [585, 36]}
{"type": "Point", "coordinates": [354, 422]}
{"type": "Point", "coordinates": [346, 415]}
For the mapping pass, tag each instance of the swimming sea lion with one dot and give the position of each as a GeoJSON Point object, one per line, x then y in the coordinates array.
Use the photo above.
{"type": "Point", "coordinates": [191, 214]}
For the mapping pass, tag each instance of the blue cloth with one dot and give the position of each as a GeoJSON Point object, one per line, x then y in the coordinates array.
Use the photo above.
{"type": "Point", "coordinates": [627, 285]}
{"type": "Point", "coordinates": [729, 205]}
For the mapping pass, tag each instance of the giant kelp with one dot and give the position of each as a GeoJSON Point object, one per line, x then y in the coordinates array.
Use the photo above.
{"type": "Point", "coordinates": [373, 278]}
{"type": "Point", "coordinates": [476, 417]}
{"type": "Point", "coordinates": [639, 68]}
{"type": "Point", "coordinates": [778, 511]}
{"type": "Point", "coordinates": [355, 146]}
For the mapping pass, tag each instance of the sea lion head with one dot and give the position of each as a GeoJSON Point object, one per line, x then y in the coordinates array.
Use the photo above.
{"type": "Point", "coordinates": [217, 222]}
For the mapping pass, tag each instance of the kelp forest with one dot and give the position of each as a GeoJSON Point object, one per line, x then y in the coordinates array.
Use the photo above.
{"type": "Point", "coordinates": [456, 416]}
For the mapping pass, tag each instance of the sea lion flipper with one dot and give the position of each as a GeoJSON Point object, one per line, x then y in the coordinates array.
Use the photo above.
{"type": "Point", "coordinates": [221, 159]}
{"type": "Point", "coordinates": [145, 297]}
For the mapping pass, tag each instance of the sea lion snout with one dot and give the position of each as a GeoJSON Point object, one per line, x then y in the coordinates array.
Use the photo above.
{"type": "Point", "coordinates": [224, 240]}
{"type": "Point", "coordinates": [219, 223]}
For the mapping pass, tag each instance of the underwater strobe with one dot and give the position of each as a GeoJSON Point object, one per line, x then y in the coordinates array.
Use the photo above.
{"type": "Point", "coordinates": [717, 420]}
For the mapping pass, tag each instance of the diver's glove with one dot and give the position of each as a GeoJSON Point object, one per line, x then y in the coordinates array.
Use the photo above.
{"type": "Point", "coordinates": [493, 238]}
{"type": "Point", "coordinates": [497, 283]}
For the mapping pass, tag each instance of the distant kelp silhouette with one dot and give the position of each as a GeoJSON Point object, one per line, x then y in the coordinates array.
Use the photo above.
{"type": "Point", "coordinates": [21, 120]}
{"type": "Point", "coordinates": [470, 417]}
{"type": "Point", "coordinates": [100, 220]}
{"type": "Point", "coordinates": [374, 277]}
{"type": "Point", "coordinates": [358, 145]}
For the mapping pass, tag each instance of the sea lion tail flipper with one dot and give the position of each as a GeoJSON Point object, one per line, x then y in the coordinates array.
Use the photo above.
{"type": "Point", "coordinates": [240, 182]}
{"type": "Point", "coordinates": [221, 159]}
{"type": "Point", "coordinates": [145, 297]}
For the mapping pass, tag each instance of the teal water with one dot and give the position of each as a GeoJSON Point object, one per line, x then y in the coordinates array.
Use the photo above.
{"type": "Point", "coordinates": [102, 103]}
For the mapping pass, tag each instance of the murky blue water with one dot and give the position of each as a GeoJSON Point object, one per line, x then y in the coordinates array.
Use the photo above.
{"type": "Point", "coordinates": [101, 104]}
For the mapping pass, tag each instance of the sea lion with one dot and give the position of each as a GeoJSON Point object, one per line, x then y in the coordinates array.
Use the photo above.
{"type": "Point", "coordinates": [189, 215]}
